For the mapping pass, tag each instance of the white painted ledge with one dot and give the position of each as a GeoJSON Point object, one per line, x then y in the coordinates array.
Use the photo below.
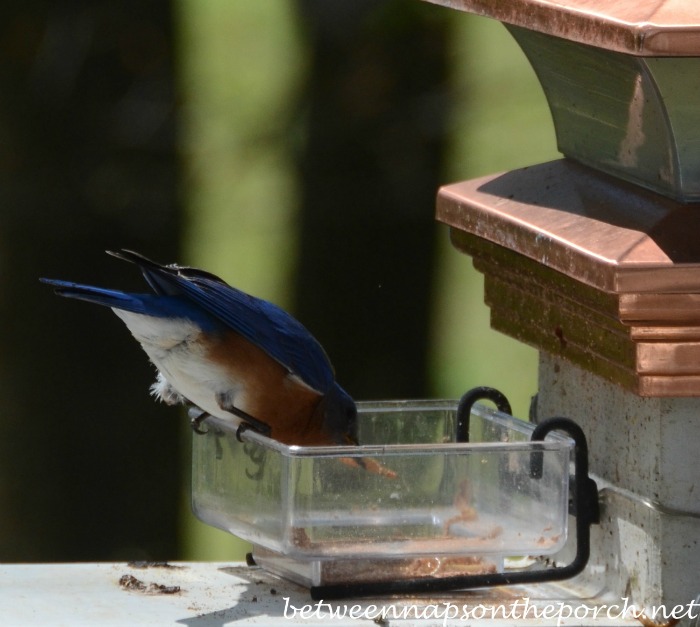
{"type": "Point", "coordinates": [233, 594]}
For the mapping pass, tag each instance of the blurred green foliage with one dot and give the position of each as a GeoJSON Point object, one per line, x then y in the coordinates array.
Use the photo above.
{"type": "Point", "coordinates": [241, 67]}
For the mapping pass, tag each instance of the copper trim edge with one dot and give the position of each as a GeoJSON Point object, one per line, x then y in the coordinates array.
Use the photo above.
{"type": "Point", "coordinates": [637, 27]}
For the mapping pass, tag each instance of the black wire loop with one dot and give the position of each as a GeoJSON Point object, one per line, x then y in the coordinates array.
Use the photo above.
{"type": "Point", "coordinates": [464, 408]}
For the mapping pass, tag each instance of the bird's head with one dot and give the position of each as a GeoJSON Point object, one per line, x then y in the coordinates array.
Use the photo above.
{"type": "Point", "coordinates": [339, 415]}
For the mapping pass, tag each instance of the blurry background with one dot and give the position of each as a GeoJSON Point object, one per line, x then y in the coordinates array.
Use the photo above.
{"type": "Point", "coordinates": [294, 148]}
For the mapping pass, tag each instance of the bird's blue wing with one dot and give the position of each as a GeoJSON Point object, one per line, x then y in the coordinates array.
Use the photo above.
{"type": "Point", "coordinates": [264, 324]}
{"type": "Point", "coordinates": [271, 328]}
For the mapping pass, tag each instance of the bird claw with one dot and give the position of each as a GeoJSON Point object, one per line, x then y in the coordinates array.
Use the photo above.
{"type": "Point", "coordinates": [196, 421]}
{"type": "Point", "coordinates": [198, 416]}
{"type": "Point", "coordinates": [249, 422]}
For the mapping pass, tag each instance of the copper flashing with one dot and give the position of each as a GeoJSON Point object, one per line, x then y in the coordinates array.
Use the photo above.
{"type": "Point", "coordinates": [638, 27]}
{"type": "Point", "coordinates": [589, 268]}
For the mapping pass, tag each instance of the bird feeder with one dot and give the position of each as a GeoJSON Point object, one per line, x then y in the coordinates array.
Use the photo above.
{"type": "Point", "coordinates": [439, 496]}
{"type": "Point", "coordinates": [594, 259]}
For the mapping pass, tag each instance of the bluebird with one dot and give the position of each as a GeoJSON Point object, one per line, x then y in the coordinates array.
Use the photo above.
{"type": "Point", "coordinates": [232, 355]}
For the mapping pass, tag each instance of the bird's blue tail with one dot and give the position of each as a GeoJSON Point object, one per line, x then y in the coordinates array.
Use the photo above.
{"type": "Point", "coordinates": [136, 303]}
{"type": "Point", "coordinates": [165, 306]}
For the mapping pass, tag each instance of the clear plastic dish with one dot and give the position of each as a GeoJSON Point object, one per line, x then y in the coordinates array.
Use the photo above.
{"type": "Point", "coordinates": [410, 497]}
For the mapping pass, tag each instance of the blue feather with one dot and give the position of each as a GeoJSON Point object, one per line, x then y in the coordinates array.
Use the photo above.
{"type": "Point", "coordinates": [145, 304]}
{"type": "Point", "coordinates": [205, 299]}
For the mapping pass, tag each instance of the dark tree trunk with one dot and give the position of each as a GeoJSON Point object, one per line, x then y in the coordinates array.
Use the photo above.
{"type": "Point", "coordinates": [376, 107]}
{"type": "Point", "coordinates": [89, 464]}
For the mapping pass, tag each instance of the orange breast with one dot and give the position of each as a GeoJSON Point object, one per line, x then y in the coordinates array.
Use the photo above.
{"type": "Point", "coordinates": [268, 393]}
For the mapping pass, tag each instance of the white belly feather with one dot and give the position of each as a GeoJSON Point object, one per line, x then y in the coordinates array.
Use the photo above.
{"type": "Point", "coordinates": [176, 348]}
